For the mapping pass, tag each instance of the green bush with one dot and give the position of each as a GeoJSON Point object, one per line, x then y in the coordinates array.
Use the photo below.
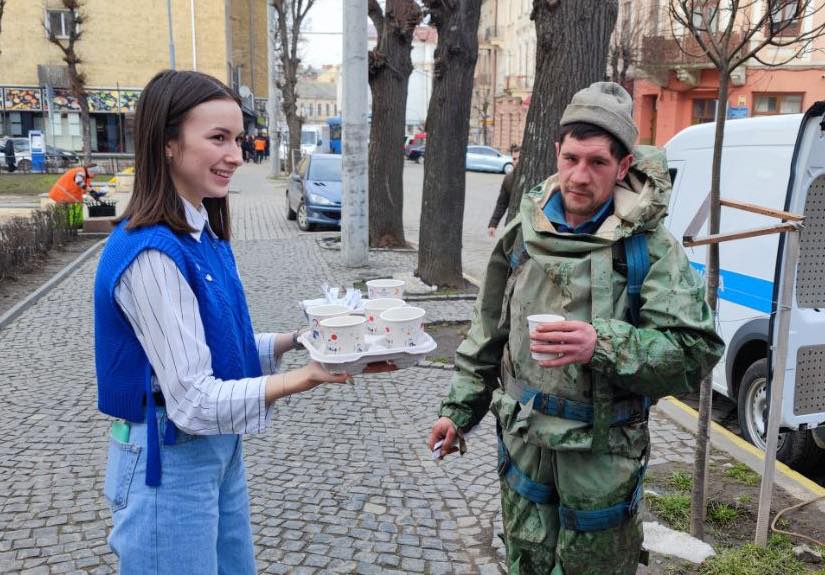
{"type": "Point", "coordinates": [23, 241]}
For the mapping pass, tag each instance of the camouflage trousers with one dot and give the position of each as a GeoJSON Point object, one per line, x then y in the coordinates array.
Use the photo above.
{"type": "Point", "coordinates": [535, 541]}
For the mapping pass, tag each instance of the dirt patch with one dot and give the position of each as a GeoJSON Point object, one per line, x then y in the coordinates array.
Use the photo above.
{"type": "Point", "coordinates": [13, 290]}
{"type": "Point", "coordinates": [448, 336]}
{"type": "Point", "coordinates": [733, 495]}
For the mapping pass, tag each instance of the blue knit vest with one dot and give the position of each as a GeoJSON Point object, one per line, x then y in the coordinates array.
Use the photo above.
{"type": "Point", "coordinates": [123, 369]}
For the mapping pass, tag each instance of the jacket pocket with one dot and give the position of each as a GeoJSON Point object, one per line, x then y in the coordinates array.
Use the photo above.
{"type": "Point", "coordinates": [120, 471]}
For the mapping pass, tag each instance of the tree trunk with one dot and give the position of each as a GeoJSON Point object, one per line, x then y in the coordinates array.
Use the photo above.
{"type": "Point", "coordinates": [78, 89]}
{"type": "Point", "coordinates": [294, 124]}
{"type": "Point", "coordinates": [573, 38]}
{"type": "Point", "coordinates": [390, 66]}
{"type": "Point", "coordinates": [698, 506]}
{"type": "Point", "coordinates": [448, 123]}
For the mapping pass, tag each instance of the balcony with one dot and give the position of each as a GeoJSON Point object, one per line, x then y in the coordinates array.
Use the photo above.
{"type": "Point", "coordinates": [488, 38]}
{"type": "Point", "coordinates": [661, 53]}
{"type": "Point", "coordinates": [518, 83]}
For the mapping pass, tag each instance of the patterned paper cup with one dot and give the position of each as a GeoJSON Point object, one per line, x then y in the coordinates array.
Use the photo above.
{"type": "Point", "coordinates": [320, 312]}
{"type": "Point", "coordinates": [534, 321]}
{"type": "Point", "coordinates": [373, 309]}
{"type": "Point", "coordinates": [403, 326]}
{"type": "Point", "coordinates": [343, 334]}
{"type": "Point", "coordinates": [385, 288]}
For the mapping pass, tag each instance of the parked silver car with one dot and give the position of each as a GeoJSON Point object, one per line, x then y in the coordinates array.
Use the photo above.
{"type": "Point", "coordinates": [56, 158]}
{"type": "Point", "coordinates": [487, 159]}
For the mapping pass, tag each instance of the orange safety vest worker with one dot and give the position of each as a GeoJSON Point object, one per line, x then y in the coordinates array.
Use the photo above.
{"type": "Point", "coordinates": [260, 144]}
{"type": "Point", "coordinates": [71, 186]}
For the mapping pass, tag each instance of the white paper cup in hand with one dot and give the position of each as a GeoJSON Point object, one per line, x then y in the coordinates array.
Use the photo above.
{"type": "Point", "coordinates": [343, 334]}
{"type": "Point", "coordinates": [317, 313]}
{"type": "Point", "coordinates": [373, 309]}
{"type": "Point", "coordinates": [533, 321]}
{"type": "Point", "coordinates": [402, 326]}
{"type": "Point", "coordinates": [385, 288]}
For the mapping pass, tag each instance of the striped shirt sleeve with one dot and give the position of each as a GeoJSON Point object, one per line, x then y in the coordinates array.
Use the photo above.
{"type": "Point", "coordinates": [163, 311]}
{"type": "Point", "coordinates": [267, 354]}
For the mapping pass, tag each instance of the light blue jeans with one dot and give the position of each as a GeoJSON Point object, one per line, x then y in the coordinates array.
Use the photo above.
{"type": "Point", "coordinates": [196, 522]}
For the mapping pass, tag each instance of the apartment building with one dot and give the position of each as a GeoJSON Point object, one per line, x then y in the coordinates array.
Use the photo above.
{"type": "Point", "coordinates": [123, 45]}
{"type": "Point", "coordinates": [504, 73]}
{"type": "Point", "coordinates": [675, 87]}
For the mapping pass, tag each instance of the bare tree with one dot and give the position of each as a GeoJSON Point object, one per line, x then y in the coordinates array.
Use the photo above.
{"type": "Point", "coordinates": [626, 42]}
{"type": "Point", "coordinates": [448, 124]}
{"type": "Point", "coordinates": [390, 66]}
{"type": "Point", "coordinates": [290, 15]}
{"type": "Point", "coordinates": [729, 34]}
{"type": "Point", "coordinates": [77, 79]}
{"type": "Point", "coordinates": [2, 8]}
{"type": "Point", "coordinates": [571, 53]}
{"type": "Point", "coordinates": [481, 107]}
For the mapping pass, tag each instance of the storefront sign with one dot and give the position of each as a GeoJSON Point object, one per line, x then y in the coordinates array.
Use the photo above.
{"type": "Point", "coordinates": [102, 101]}
{"type": "Point", "coordinates": [128, 101]}
{"type": "Point", "coordinates": [22, 99]}
{"type": "Point", "coordinates": [64, 101]}
{"type": "Point", "coordinates": [737, 112]}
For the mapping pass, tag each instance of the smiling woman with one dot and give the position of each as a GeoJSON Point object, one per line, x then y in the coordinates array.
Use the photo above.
{"type": "Point", "coordinates": [175, 351]}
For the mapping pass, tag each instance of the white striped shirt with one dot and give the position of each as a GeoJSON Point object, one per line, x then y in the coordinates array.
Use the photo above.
{"type": "Point", "coordinates": [163, 311]}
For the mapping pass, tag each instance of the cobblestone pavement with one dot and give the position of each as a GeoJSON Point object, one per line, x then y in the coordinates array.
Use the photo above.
{"type": "Point", "coordinates": [341, 482]}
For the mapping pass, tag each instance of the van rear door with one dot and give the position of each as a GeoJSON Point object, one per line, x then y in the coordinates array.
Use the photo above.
{"type": "Point", "coordinates": [803, 400]}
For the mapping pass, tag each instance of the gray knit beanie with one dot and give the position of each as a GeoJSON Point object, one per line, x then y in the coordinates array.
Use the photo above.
{"type": "Point", "coordinates": [606, 105]}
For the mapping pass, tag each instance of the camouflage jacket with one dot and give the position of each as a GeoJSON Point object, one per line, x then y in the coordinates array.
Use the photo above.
{"type": "Point", "coordinates": [669, 352]}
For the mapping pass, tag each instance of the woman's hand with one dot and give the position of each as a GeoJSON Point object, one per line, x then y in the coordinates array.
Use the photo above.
{"type": "Point", "coordinates": [312, 375]}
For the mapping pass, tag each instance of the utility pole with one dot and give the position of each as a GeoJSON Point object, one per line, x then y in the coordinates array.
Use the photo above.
{"type": "Point", "coordinates": [354, 204]}
{"type": "Point", "coordinates": [171, 36]}
{"type": "Point", "coordinates": [274, 69]}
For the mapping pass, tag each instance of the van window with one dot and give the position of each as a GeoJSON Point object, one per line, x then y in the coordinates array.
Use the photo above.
{"type": "Point", "coordinates": [672, 172]}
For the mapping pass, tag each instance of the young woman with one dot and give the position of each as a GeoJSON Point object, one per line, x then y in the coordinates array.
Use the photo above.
{"type": "Point", "coordinates": [177, 360]}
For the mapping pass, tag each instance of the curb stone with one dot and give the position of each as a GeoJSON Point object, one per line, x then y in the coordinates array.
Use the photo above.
{"type": "Point", "coordinates": [53, 282]}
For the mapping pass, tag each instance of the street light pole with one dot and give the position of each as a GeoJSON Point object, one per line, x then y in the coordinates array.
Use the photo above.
{"type": "Point", "coordinates": [274, 93]}
{"type": "Point", "coordinates": [354, 204]}
{"type": "Point", "coordinates": [171, 36]}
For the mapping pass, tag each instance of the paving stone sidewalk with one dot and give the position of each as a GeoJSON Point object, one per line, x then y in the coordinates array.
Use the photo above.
{"type": "Point", "coordinates": [341, 482]}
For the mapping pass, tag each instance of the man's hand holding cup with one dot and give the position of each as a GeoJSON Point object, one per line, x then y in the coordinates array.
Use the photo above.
{"type": "Point", "coordinates": [556, 342]}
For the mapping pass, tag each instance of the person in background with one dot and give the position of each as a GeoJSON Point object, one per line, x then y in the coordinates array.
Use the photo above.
{"type": "Point", "coordinates": [260, 146]}
{"type": "Point", "coordinates": [501, 203]}
{"type": "Point", "coordinates": [177, 361]}
{"type": "Point", "coordinates": [8, 151]}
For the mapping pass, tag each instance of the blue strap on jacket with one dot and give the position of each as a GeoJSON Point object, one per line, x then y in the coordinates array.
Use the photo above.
{"type": "Point", "coordinates": [638, 264]}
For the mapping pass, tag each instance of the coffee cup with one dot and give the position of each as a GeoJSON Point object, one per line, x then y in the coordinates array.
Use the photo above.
{"type": "Point", "coordinates": [373, 309]}
{"type": "Point", "coordinates": [343, 334]}
{"type": "Point", "coordinates": [383, 288]}
{"type": "Point", "coordinates": [317, 313]}
{"type": "Point", "coordinates": [533, 322]}
{"type": "Point", "coordinates": [402, 326]}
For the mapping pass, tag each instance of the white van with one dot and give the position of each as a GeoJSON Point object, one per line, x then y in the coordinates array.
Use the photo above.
{"type": "Point", "coordinates": [314, 139]}
{"type": "Point", "coordinates": [776, 162]}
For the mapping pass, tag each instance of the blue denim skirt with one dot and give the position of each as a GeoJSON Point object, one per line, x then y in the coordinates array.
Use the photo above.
{"type": "Point", "coordinates": [196, 522]}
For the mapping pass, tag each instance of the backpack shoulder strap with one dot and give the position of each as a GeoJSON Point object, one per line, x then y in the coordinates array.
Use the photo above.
{"type": "Point", "coordinates": [638, 264]}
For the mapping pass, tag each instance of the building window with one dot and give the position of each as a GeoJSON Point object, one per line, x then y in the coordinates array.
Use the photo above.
{"type": "Point", "coordinates": [706, 16]}
{"type": "Point", "coordinates": [59, 22]}
{"type": "Point", "coordinates": [704, 110]}
{"type": "Point", "coordinates": [772, 104]}
{"type": "Point", "coordinates": [786, 17]}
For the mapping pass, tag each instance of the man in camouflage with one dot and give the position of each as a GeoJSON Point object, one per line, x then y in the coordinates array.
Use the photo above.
{"type": "Point", "coordinates": [573, 436]}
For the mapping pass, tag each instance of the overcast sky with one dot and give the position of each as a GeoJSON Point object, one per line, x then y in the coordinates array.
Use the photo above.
{"type": "Point", "coordinates": [324, 16]}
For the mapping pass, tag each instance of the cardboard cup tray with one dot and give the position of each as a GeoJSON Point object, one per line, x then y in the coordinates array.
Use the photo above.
{"type": "Point", "coordinates": [376, 359]}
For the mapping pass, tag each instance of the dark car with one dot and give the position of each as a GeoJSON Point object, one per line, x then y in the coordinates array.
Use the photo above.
{"type": "Point", "coordinates": [56, 158]}
{"type": "Point", "coordinates": [416, 153]}
{"type": "Point", "coordinates": [313, 194]}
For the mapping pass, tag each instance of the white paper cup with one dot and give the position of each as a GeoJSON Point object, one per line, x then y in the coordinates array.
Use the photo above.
{"type": "Point", "coordinates": [320, 312]}
{"type": "Point", "coordinates": [533, 322]}
{"type": "Point", "coordinates": [384, 288]}
{"type": "Point", "coordinates": [373, 309]}
{"type": "Point", "coordinates": [343, 334]}
{"type": "Point", "coordinates": [402, 326]}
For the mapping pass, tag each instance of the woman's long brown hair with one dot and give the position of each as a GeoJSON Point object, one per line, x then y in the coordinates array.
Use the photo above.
{"type": "Point", "coordinates": [161, 110]}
